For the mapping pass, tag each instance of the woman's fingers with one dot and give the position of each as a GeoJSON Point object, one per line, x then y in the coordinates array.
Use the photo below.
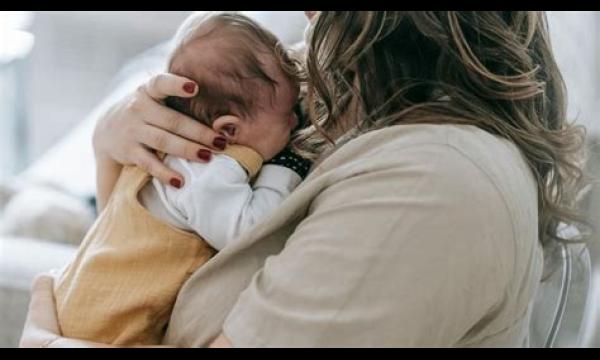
{"type": "Point", "coordinates": [150, 163]}
{"type": "Point", "coordinates": [163, 141]}
{"type": "Point", "coordinates": [41, 325]}
{"type": "Point", "coordinates": [164, 85]}
{"type": "Point", "coordinates": [42, 301]}
{"type": "Point", "coordinates": [179, 124]}
{"type": "Point", "coordinates": [140, 123]}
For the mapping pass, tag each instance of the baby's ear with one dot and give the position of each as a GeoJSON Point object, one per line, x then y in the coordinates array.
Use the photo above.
{"type": "Point", "coordinates": [228, 126]}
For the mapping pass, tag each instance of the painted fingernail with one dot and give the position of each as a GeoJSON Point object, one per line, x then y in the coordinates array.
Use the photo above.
{"type": "Point", "coordinates": [175, 182]}
{"type": "Point", "coordinates": [229, 129]}
{"type": "Point", "coordinates": [189, 87]}
{"type": "Point", "coordinates": [220, 143]}
{"type": "Point", "coordinates": [204, 154]}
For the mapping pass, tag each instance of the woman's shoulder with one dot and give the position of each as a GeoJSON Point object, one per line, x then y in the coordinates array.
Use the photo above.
{"type": "Point", "coordinates": [435, 192]}
{"type": "Point", "coordinates": [460, 146]}
{"type": "Point", "coordinates": [456, 182]}
{"type": "Point", "coordinates": [454, 160]}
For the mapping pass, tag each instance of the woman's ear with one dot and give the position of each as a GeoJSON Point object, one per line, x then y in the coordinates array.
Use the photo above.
{"type": "Point", "coordinates": [228, 126]}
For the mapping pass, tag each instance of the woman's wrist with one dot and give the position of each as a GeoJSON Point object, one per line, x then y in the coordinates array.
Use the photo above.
{"type": "Point", "coordinates": [107, 173]}
{"type": "Point", "coordinates": [104, 161]}
{"type": "Point", "coordinates": [97, 139]}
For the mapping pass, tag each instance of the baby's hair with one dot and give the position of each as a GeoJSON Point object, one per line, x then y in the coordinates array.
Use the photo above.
{"type": "Point", "coordinates": [236, 81]}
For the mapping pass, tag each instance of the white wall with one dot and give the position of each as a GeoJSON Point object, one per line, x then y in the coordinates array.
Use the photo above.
{"type": "Point", "coordinates": [576, 41]}
{"type": "Point", "coordinates": [575, 36]}
{"type": "Point", "coordinates": [76, 53]}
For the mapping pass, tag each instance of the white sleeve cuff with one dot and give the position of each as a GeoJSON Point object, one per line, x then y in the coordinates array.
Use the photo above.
{"type": "Point", "coordinates": [277, 177]}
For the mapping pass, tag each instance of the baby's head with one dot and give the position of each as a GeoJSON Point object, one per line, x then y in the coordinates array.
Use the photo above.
{"type": "Point", "coordinates": [248, 84]}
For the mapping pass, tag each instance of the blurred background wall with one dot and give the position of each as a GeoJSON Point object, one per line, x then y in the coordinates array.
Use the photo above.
{"type": "Point", "coordinates": [575, 36]}
{"type": "Point", "coordinates": [76, 53]}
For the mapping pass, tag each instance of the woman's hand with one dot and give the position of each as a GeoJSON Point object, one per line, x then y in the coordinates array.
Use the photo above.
{"type": "Point", "coordinates": [138, 124]}
{"type": "Point", "coordinates": [41, 325]}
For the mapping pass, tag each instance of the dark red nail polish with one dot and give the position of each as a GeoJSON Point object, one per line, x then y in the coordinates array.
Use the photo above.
{"type": "Point", "coordinates": [189, 87]}
{"type": "Point", "coordinates": [175, 182]}
{"type": "Point", "coordinates": [229, 129]}
{"type": "Point", "coordinates": [204, 154]}
{"type": "Point", "coordinates": [220, 143]}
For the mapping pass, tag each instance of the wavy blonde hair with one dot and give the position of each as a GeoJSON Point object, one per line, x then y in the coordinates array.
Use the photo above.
{"type": "Point", "coordinates": [494, 70]}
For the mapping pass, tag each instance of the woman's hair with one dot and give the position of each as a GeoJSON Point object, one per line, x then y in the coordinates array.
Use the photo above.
{"type": "Point", "coordinates": [494, 70]}
{"type": "Point", "coordinates": [237, 78]}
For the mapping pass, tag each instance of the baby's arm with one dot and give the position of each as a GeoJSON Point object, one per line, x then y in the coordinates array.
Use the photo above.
{"type": "Point", "coordinates": [217, 200]}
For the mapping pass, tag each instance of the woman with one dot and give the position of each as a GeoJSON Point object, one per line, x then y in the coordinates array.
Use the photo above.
{"type": "Point", "coordinates": [444, 165]}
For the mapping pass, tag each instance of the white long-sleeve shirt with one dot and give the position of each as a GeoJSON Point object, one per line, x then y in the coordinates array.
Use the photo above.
{"type": "Point", "coordinates": [217, 201]}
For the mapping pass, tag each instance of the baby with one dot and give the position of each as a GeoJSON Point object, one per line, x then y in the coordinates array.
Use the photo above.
{"type": "Point", "coordinates": [150, 238]}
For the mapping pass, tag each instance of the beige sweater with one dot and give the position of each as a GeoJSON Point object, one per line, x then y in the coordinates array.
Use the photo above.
{"type": "Point", "coordinates": [414, 235]}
